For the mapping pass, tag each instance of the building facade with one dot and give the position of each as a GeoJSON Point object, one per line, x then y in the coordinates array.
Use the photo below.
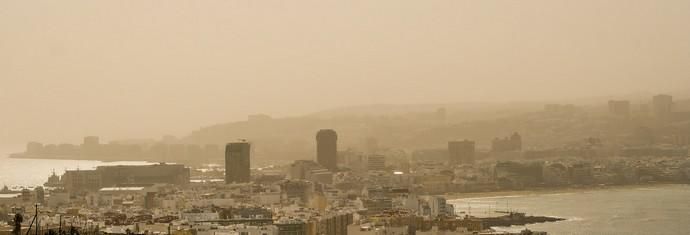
{"type": "Point", "coordinates": [327, 148]}
{"type": "Point", "coordinates": [237, 162]}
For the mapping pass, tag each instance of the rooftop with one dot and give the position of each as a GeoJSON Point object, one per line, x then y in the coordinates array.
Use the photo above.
{"type": "Point", "coordinates": [117, 189]}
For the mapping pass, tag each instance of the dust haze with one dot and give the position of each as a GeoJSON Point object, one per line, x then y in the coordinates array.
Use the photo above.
{"type": "Point", "coordinates": [144, 69]}
{"type": "Point", "coordinates": [344, 117]}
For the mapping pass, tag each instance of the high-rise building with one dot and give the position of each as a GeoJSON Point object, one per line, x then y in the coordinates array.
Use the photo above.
{"type": "Point", "coordinates": [376, 162]}
{"type": "Point", "coordinates": [619, 108]}
{"type": "Point", "coordinates": [461, 152]}
{"type": "Point", "coordinates": [237, 162]}
{"type": "Point", "coordinates": [438, 206]}
{"type": "Point", "coordinates": [149, 200]}
{"type": "Point", "coordinates": [327, 148]}
{"type": "Point", "coordinates": [40, 195]}
{"type": "Point", "coordinates": [662, 105]}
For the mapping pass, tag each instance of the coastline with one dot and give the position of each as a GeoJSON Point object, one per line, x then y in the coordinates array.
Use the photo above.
{"type": "Point", "coordinates": [64, 158]}
{"type": "Point", "coordinates": [544, 191]}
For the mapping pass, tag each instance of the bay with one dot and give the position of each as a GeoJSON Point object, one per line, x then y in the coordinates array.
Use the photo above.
{"type": "Point", "coordinates": [655, 209]}
{"type": "Point", "coordinates": [16, 172]}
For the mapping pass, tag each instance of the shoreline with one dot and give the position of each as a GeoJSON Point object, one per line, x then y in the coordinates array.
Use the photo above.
{"type": "Point", "coordinates": [68, 158]}
{"type": "Point", "coordinates": [545, 191]}
{"type": "Point", "coordinates": [54, 157]}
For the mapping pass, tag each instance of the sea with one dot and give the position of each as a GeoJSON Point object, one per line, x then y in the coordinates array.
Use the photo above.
{"type": "Point", "coordinates": [643, 210]}
{"type": "Point", "coordinates": [656, 209]}
{"type": "Point", "coordinates": [17, 173]}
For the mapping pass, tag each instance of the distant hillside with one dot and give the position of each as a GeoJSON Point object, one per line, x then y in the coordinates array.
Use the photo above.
{"type": "Point", "coordinates": [455, 111]}
{"type": "Point", "coordinates": [419, 126]}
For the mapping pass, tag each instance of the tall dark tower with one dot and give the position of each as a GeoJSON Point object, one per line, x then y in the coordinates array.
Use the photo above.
{"type": "Point", "coordinates": [327, 148]}
{"type": "Point", "coordinates": [237, 162]}
{"type": "Point", "coordinates": [461, 152]}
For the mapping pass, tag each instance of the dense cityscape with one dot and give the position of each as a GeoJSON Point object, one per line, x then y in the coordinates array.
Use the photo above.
{"type": "Point", "coordinates": [199, 189]}
{"type": "Point", "coordinates": [344, 117]}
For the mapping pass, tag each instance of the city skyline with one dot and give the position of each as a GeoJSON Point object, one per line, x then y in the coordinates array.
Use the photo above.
{"type": "Point", "coordinates": [356, 117]}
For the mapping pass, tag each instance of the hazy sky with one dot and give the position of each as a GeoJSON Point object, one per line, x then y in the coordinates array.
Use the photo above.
{"type": "Point", "coordinates": [147, 68]}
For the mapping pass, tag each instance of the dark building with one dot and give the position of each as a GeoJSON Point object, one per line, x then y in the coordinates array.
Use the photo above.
{"type": "Point", "coordinates": [40, 195]}
{"type": "Point", "coordinates": [327, 148]}
{"type": "Point", "coordinates": [334, 224]}
{"type": "Point", "coordinates": [377, 205]}
{"type": "Point", "coordinates": [246, 212]}
{"type": "Point", "coordinates": [150, 200]}
{"type": "Point", "coordinates": [461, 152]}
{"type": "Point", "coordinates": [300, 169]}
{"type": "Point", "coordinates": [297, 189]}
{"type": "Point", "coordinates": [237, 162]}
{"type": "Point", "coordinates": [376, 162]}
{"type": "Point", "coordinates": [147, 174]}
{"type": "Point", "coordinates": [292, 228]}
{"type": "Point", "coordinates": [512, 143]}
{"type": "Point", "coordinates": [76, 181]}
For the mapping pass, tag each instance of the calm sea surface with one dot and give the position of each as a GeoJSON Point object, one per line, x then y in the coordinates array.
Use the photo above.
{"type": "Point", "coordinates": [34, 172]}
{"type": "Point", "coordinates": [662, 209]}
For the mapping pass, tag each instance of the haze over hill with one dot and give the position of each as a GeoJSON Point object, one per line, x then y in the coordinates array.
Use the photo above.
{"type": "Point", "coordinates": [123, 69]}
{"type": "Point", "coordinates": [419, 126]}
{"type": "Point", "coordinates": [354, 117]}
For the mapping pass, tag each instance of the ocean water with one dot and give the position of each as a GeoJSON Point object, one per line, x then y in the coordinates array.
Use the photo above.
{"type": "Point", "coordinates": [660, 209]}
{"type": "Point", "coordinates": [17, 173]}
